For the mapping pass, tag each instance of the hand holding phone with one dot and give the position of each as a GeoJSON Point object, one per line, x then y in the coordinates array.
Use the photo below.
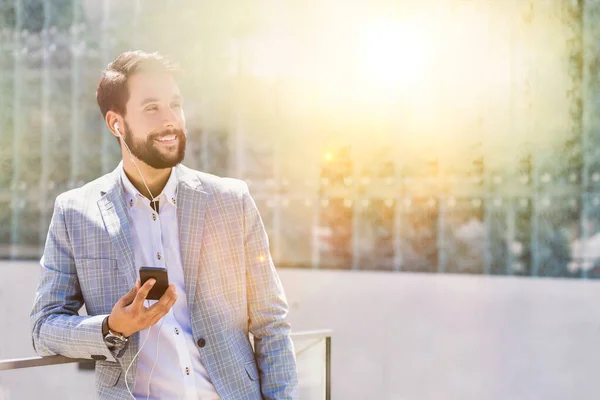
{"type": "Point", "coordinates": [129, 315]}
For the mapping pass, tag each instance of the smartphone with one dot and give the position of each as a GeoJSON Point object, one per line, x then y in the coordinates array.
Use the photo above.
{"type": "Point", "coordinates": [162, 281]}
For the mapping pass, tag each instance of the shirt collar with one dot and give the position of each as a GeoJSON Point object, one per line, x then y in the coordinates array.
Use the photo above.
{"type": "Point", "coordinates": [132, 195]}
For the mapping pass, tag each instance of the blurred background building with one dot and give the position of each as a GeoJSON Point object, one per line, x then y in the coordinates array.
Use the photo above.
{"type": "Point", "coordinates": [440, 136]}
{"type": "Point", "coordinates": [444, 136]}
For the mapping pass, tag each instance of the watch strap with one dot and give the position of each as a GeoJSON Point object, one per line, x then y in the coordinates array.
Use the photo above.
{"type": "Point", "coordinates": [105, 330]}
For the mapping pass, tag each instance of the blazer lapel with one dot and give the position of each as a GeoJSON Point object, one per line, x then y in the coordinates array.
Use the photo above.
{"type": "Point", "coordinates": [191, 208]}
{"type": "Point", "coordinates": [114, 215]}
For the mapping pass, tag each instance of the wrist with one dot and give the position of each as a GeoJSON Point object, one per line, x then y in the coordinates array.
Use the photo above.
{"type": "Point", "coordinates": [111, 329]}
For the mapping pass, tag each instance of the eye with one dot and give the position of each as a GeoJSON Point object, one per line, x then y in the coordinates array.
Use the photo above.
{"type": "Point", "coordinates": [151, 108]}
{"type": "Point", "coordinates": [176, 105]}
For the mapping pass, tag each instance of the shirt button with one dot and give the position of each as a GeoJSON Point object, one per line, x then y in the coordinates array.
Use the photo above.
{"type": "Point", "coordinates": [158, 256]}
{"type": "Point", "coordinates": [177, 331]}
{"type": "Point", "coordinates": [174, 201]}
{"type": "Point", "coordinates": [153, 217]}
{"type": "Point", "coordinates": [201, 342]}
{"type": "Point", "coordinates": [130, 202]}
{"type": "Point", "coordinates": [187, 370]}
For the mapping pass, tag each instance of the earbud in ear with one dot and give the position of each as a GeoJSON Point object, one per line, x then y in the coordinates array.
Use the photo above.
{"type": "Point", "coordinates": [116, 126]}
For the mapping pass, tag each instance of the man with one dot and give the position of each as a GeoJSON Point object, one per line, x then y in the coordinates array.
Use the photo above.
{"type": "Point", "coordinates": [193, 343]}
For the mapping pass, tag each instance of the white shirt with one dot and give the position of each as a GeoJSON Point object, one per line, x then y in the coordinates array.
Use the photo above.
{"type": "Point", "coordinates": [178, 373]}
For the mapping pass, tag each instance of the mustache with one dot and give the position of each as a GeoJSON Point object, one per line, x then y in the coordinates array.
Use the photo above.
{"type": "Point", "coordinates": [179, 134]}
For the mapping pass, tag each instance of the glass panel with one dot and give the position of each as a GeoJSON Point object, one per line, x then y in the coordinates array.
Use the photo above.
{"type": "Point", "coordinates": [311, 362]}
{"type": "Point", "coordinates": [465, 235]}
{"type": "Point", "coordinates": [296, 239]}
{"type": "Point", "coordinates": [334, 233]}
{"type": "Point", "coordinates": [418, 243]}
{"type": "Point", "coordinates": [375, 234]}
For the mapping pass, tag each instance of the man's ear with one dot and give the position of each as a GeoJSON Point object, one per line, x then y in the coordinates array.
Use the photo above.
{"type": "Point", "coordinates": [114, 123]}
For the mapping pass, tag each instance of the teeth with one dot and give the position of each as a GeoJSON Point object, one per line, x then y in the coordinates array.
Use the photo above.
{"type": "Point", "coordinates": [165, 139]}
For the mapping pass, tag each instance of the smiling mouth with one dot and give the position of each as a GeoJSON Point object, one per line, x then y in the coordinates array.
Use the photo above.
{"type": "Point", "coordinates": [167, 139]}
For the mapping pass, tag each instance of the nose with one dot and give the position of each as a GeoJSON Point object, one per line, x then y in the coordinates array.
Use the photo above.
{"type": "Point", "coordinates": [171, 120]}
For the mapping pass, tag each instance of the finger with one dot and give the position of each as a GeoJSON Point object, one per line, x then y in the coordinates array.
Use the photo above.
{"type": "Point", "coordinates": [142, 293]}
{"type": "Point", "coordinates": [162, 307]}
{"type": "Point", "coordinates": [159, 316]}
{"type": "Point", "coordinates": [129, 296]}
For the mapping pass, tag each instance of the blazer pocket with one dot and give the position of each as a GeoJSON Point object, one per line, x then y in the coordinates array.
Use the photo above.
{"type": "Point", "coordinates": [101, 282]}
{"type": "Point", "coordinates": [108, 375]}
{"type": "Point", "coordinates": [251, 370]}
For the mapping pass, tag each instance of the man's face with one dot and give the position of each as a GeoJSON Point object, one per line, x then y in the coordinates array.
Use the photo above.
{"type": "Point", "coordinates": [154, 123]}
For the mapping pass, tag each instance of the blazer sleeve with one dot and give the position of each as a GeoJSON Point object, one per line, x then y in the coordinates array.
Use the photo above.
{"type": "Point", "coordinates": [56, 326]}
{"type": "Point", "coordinates": [267, 311]}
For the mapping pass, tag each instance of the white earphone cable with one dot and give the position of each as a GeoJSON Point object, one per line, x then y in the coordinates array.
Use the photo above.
{"type": "Point", "coordinates": [162, 320]}
{"type": "Point", "coordinates": [155, 357]}
{"type": "Point", "coordinates": [134, 357]}
{"type": "Point", "coordinates": [134, 163]}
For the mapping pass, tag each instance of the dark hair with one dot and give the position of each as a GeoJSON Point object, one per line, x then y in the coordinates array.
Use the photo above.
{"type": "Point", "coordinates": [112, 92]}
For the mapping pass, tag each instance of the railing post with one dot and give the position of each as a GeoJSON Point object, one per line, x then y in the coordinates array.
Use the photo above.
{"type": "Point", "coordinates": [328, 368]}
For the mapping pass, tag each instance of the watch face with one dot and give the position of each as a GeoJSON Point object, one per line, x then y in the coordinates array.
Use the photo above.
{"type": "Point", "coordinates": [112, 339]}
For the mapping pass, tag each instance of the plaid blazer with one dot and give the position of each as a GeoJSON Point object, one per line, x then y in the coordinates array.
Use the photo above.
{"type": "Point", "coordinates": [231, 284]}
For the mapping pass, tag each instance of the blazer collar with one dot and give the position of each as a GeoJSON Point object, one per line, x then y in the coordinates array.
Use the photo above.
{"type": "Point", "coordinates": [184, 175]}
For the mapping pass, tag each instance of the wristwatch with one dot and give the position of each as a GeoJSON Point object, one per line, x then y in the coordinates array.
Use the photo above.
{"type": "Point", "coordinates": [110, 337]}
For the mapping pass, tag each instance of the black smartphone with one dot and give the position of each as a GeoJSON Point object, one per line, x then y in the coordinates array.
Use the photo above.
{"type": "Point", "coordinates": [162, 281]}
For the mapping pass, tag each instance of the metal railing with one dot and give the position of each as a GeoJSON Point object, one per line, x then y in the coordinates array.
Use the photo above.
{"type": "Point", "coordinates": [319, 336]}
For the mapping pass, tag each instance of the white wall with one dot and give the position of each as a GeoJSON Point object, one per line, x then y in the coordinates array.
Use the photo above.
{"type": "Point", "coordinates": [396, 336]}
{"type": "Point", "coordinates": [409, 336]}
{"type": "Point", "coordinates": [18, 281]}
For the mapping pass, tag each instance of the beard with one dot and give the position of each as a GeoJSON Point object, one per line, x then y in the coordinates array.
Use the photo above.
{"type": "Point", "coordinates": [148, 151]}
